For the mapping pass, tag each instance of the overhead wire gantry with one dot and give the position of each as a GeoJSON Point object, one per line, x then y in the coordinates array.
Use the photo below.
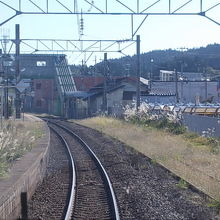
{"type": "Point", "coordinates": [111, 7]}
{"type": "Point", "coordinates": [140, 8]}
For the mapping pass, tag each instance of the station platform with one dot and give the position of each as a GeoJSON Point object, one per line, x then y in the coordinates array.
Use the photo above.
{"type": "Point", "coordinates": [25, 173]}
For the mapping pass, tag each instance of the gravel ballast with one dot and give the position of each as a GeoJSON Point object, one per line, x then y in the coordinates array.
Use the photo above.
{"type": "Point", "coordinates": [144, 189]}
{"type": "Point", "coordinates": [49, 199]}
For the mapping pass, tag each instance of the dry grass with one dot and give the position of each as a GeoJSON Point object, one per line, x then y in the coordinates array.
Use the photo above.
{"type": "Point", "coordinates": [17, 138]}
{"type": "Point", "coordinates": [192, 162]}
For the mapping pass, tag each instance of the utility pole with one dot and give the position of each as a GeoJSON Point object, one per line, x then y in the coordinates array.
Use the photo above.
{"type": "Point", "coordinates": [17, 71]}
{"type": "Point", "coordinates": [1, 89]}
{"type": "Point", "coordinates": [138, 74]}
{"type": "Point", "coordinates": [104, 84]}
{"type": "Point", "coordinates": [6, 113]}
{"type": "Point", "coordinates": [181, 95]}
{"type": "Point", "coordinates": [5, 65]}
{"type": "Point", "coordinates": [206, 86]}
{"type": "Point", "coordinates": [151, 73]}
{"type": "Point", "coordinates": [176, 82]}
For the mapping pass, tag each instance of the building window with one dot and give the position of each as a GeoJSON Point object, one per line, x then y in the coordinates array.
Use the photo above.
{"type": "Point", "coordinates": [39, 103]}
{"type": "Point", "coordinates": [38, 86]}
{"type": "Point", "coordinates": [41, 63]}
{"type": "Point", "coordinates": [128, 95]}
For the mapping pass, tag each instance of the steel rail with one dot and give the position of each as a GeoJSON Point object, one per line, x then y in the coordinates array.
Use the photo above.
{"type": "Point", "coordinates": [98, 162]}
{"type": "Point", "coordinates": [72, 194]}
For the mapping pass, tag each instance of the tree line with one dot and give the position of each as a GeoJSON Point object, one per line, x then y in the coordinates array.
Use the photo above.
{"type": "Point", "coordinates": [203, 60]}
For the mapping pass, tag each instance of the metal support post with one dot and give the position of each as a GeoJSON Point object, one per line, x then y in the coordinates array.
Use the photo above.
{"type": "Point", "coordinates": [5, 77]}
{"type": "Point", "coordinates": [181, 95]}
{"type": "Point", "coordinates": [138, 74]}
{"type": "Point", "coordinates": [206, 88]}
{"type": "Point", "coordinates": [17, 71]}
{"type": "Point", "coordinates": [104, 85]}
{"type": "Point", "coordinates": [64, 106]}
{"type": "Point", "coordinates": [2, 97]}
{"type": "Point", "coordinates": [6, 113]}
{"type": "Point", "coordinates": [24, 208]}
{"type": "Point", "coordinates": [151, 73]}
{"type": "Point", "coordinates": [176, 82]}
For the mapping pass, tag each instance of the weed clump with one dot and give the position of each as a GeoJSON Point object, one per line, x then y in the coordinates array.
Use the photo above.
{"type": "Point", "coordinates": [216, 205]}
{"type": "Point", "coordinates": [15, 140]}
{"type": "Point", "coordinates": [172, 123]}
{"type": "Point", "coordinates": [198, 140]}
{"type": "Point", "coordinates": [182, 184]}
{"type": "Point", "coordinates": [165, 120]}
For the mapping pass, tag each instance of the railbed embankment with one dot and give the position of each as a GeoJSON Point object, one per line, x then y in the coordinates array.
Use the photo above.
{"type": "Point", "coordinates": [25, 174]}
{"type": "Point", "coordinates": [195, 164]}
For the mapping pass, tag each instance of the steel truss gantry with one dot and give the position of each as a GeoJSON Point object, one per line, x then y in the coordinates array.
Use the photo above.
{"type": "Point", "coordinates": [110, 7]}
{"type": "Point", "coordinates": [62, 45]}
{"type": "Point", "coordinates": [132, 8]}
{"type": "Point", "coordinates": [65, 46]}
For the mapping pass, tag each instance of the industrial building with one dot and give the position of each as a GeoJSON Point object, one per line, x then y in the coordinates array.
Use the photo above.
{"type": "Point", "coordinates": [46, 85]}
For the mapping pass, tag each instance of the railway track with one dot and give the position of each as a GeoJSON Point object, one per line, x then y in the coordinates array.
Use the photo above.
{"type": "Point", "coordinates": [144, 191]}
{"type": "Point", "coordinates": [92, 195]}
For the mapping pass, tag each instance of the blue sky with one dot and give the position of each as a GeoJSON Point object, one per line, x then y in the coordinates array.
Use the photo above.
{"type": "Point", "coordinates": [157, 32]}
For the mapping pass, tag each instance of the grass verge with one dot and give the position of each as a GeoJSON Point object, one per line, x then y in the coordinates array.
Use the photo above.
{"type": "Point", "coordinates": [16, 138]}
{"type": "Point", "coordinates": [187, 155]}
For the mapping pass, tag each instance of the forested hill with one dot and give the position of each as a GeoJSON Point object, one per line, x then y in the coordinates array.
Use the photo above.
{"type": "Point", "coordinates": [203, 59]}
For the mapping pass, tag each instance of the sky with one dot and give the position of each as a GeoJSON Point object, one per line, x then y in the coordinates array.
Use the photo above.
{"type": "Point", "coordinates": [157, 32]}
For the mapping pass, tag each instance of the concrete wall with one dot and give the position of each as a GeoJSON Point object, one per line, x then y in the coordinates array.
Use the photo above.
{"type": "Point", "coordinates": [160, 99]}
{"type": "Point", "coordinates": [45, 95]}
{"type": "Point", "coordinates": [114, 97]}
{"type": "Point", "coordinates": [24, 176]}
{"type": "Point", "coordinates": [209, 126]}
{"type": "Point", "coordinates": [114, 101]}
{"type": "Point", "coordinates": [31, 69]}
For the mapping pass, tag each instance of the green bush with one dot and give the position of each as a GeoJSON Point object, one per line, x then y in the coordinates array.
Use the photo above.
{"type": "Point", "coordinates": [161, 123]}
{"type": "Point", "coordinates": [182, 184]}
{"type": "Point", "coordinates": [191, 135]}
{"type": "Point", "coordinates": [215, 204]}
{"type": "Point", "coordinates": [176, 128]}
{"type": "Point", "coordinates": [169, 122]}
{"type": "Point", "coordinates": [15, 140]}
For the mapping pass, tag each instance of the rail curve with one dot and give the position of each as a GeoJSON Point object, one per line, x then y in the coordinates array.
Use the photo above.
{"type": "Point", "coordinates": [112, 202]}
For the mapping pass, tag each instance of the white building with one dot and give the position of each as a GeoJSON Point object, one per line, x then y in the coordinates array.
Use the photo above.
{"type": "Point", "coordinates": [166, 75]}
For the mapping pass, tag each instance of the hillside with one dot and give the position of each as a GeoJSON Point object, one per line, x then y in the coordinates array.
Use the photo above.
{"type": "Point", "coordinates": [203, 59]}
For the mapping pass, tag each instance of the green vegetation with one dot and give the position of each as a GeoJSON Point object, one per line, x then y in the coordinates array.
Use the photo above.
{"type": "Point", "coordinates": [16, 139]}
{"type": "Point", "coordinates": [182, 184]}
{"type": "Point", "coordinates": [192, 60]}
{"type": "Point", "coordinates": [198, 140]}
{"type": "Point", "coordinates": [185, 155]}
{"type": "Point", "coordinates": [215, 204]}
{"type": "Point", "coordinates": [154, 161]}
{"type": "Point", "coordinates": [167, 121]}
{"type": "Point", "coordinates": [171, 123]}
{"type": "Point", "coordinates": [164, 124]}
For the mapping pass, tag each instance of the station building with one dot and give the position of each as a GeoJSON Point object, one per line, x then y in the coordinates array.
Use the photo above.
{"type": "Point", "coordinates": [47, 85]}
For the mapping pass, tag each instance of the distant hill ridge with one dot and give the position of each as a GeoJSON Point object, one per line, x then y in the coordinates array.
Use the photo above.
{"type": "Point", "coordinates": [203, 59]}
